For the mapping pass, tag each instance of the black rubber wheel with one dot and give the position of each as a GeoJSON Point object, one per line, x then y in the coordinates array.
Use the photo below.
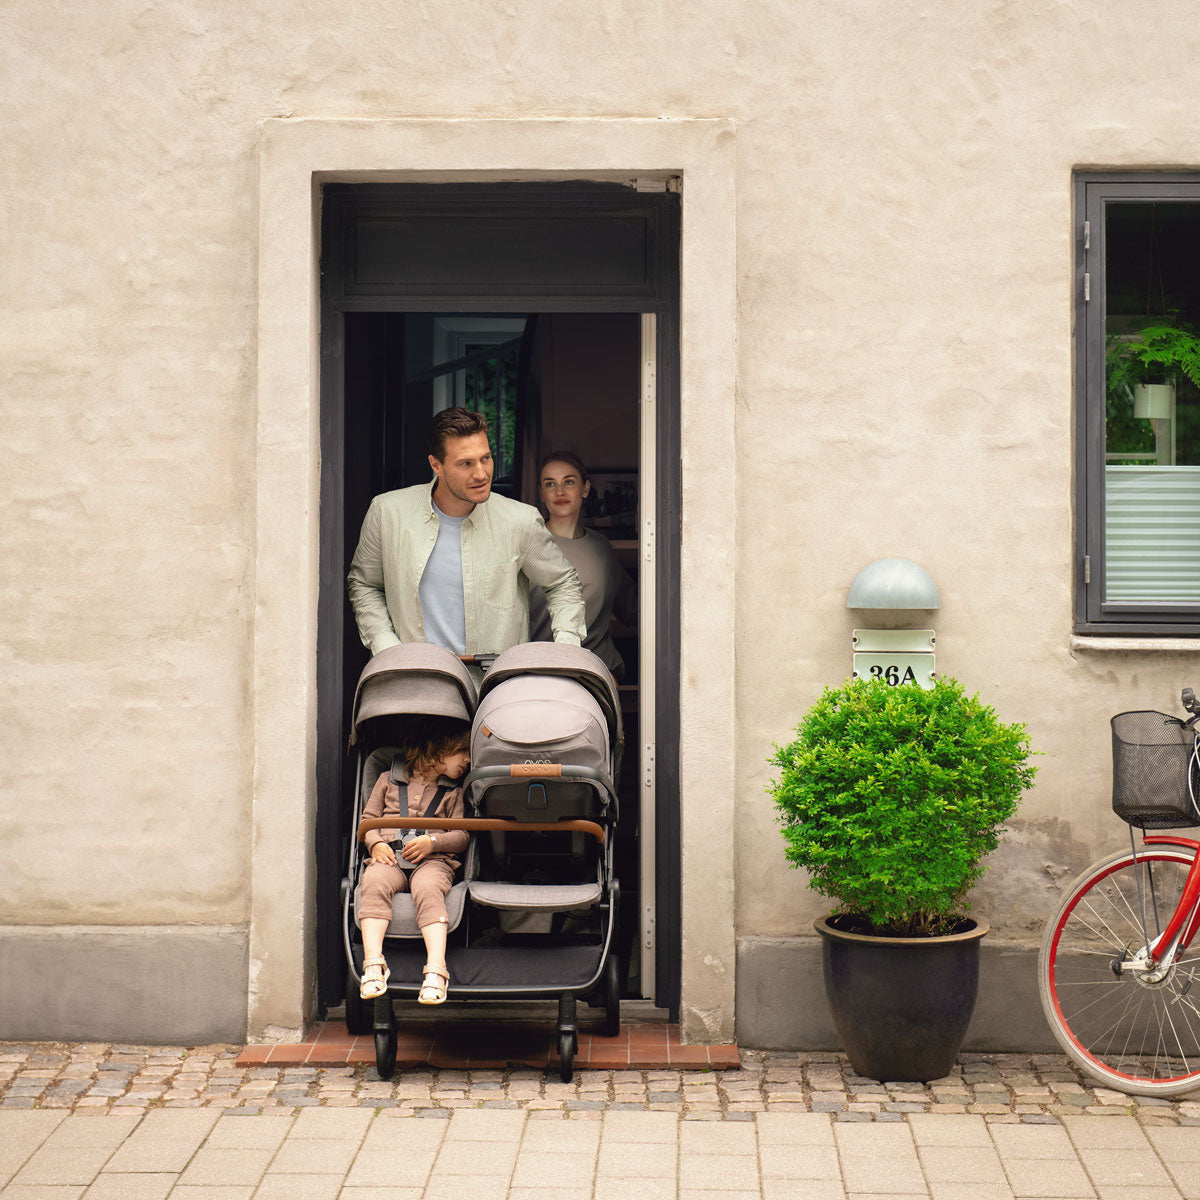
{"type": "Point", "coordinates": [566, 1056]}
{"type": "Point", "coordinates": [385, 1052]}
{"type": "Point", "coordinates": [612, 997]}
{"type": "Point", "coordinates": [360, 1013]}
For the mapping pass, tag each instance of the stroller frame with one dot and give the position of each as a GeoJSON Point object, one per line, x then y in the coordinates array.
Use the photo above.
{"type": "Point", "coordinates": [588, 969]}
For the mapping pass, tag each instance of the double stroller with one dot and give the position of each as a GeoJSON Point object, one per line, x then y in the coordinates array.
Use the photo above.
{"type": "Point", "coordinates": [535, 913]}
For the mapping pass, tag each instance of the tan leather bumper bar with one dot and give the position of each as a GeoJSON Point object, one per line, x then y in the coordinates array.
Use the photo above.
{"type": "Point", "coordinates": [477, 824]}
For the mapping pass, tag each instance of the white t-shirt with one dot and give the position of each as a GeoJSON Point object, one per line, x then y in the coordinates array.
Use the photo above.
{"type": "Point", "coordinates": [442, 607]}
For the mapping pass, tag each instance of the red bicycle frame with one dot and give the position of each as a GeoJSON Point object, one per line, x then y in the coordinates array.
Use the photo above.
{"type": "Point", "coordinates": [1187, 909]}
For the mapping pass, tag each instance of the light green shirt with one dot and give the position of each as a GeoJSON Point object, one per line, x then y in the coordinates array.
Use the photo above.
{"type": "Point", "coordinates": [505, 547]}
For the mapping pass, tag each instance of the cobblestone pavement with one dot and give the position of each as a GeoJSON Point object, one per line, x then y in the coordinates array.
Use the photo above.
{"type": "Point", "coordinates": [1004, 1088]}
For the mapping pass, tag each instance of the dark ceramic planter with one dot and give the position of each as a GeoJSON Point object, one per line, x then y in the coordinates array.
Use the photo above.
{"type": "Point", "coordinates": [901, 1005]}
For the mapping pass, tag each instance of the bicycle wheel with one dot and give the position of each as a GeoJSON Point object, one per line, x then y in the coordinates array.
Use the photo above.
{"type": "Point", "coordinates": [1128, 1030]}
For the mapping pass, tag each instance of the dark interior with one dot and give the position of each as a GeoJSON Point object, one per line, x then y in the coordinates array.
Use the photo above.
{"type": "Point", "coordinates": [552, 381]}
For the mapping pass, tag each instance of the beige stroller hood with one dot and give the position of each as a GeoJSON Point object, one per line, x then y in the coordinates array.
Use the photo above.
{"type": "Point", "coordinates": [416, 678]}
{"type": "Point", "coordinates": [556, 670]}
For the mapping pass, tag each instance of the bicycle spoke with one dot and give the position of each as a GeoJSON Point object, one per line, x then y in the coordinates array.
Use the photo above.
{"type": "Point", "coordinates": [1112, 933]}
{"type": "Point", "coordinates": [1135, 920]}
{"type": "Point", "coordinates": [1183, 1020]}
{"type": "Point", "coordinates": [1158, 1046]}
{"type": "Point", "coordinates": [1129, 999]}
{"type": "Point", "coordinates": [1132, 1030]}
{"type": "Point", "coordinates": [1107, 996]}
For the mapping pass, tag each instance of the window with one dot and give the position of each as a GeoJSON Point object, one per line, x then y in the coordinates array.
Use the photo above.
{"type": "Point", "coordinates": [1138, 435]}
{"type": "Point", "coordinates": [476, 366]}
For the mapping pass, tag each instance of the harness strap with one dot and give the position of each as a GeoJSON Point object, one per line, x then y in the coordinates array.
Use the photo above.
{"type": "Point", "coordinates": [396, 775]}
{"type": "Point", "coordinates": [433, 804]}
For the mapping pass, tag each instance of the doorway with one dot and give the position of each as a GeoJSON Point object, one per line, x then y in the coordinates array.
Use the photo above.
{"type": "Point", "coordinates": [590, 371]}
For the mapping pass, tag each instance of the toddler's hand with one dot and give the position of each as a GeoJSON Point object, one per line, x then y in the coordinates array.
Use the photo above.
{"type": "Point", "coordinates": [418, 849]}
{"type": "Point", "coordinates": [383, 853]}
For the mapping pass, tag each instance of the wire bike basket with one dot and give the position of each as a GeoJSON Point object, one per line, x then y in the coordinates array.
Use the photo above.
{"type": "Point", "coordinates": [1153, 757]}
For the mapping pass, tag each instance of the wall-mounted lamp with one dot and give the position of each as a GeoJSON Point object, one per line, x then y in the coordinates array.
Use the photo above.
{"type": "Point", "coordinates": [897, 656]}
{"type": "Point", "coordinates": [893, 583]}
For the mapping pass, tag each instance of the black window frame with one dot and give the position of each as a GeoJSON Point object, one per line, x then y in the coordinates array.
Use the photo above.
{"type": "Point", "coordinates": [1093, 192]}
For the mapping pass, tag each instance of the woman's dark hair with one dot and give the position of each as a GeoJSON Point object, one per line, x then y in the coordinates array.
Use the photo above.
{"type": "Point", "coordinates": [453, 422]}
{"type": "Point", "coordinates": [567, 456]}
{"type": "Point", "coordinates": [434, 742]}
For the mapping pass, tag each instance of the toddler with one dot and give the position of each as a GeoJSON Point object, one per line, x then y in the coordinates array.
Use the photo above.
{"type": "Point", "coordinates": [426, 864]}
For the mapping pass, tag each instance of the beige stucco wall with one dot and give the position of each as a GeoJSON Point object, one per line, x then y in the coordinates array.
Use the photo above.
{"type": "Point", "coordinates": [902, 379]}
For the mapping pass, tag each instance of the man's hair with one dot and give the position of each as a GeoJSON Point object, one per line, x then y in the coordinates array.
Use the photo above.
{"type": "Point", "coordinates": [453, 422]}
{"type": "Point", "coordinates": [564, 456]}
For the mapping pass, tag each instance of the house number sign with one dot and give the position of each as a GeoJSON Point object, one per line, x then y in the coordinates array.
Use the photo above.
{"type": "Point", "coordinates": [895, 655]}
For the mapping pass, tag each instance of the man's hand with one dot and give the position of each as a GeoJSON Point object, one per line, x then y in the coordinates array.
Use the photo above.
{"type": "Point", "coordinates": [418, 849]}
{"type": "Point", "coordinates": [381, 852]}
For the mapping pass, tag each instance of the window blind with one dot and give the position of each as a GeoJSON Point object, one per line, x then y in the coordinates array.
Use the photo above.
{"type": "Point", "coordinates": [1152, 535]}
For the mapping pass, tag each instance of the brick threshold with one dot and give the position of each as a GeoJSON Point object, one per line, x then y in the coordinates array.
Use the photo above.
{"type": "Point", "coordinates": [497, 1045]}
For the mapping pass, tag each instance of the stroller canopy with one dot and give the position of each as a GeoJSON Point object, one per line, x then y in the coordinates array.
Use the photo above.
{"type": "Point", "coordinates": [413, 678]}
{"type": "Point", "coordinates": [540, 715]}
{"type": "Point", "coordinates": [569, 662]}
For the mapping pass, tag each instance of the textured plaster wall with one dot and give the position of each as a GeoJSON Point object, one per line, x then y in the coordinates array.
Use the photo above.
{"type": "Point", "coordinates": [917, 399]}
{"type": "Point", "coordinates": [126, 531]}
{"type": "Point", "coordinates": [903, 387]}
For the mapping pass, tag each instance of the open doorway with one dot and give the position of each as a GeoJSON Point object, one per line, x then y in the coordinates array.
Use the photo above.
{"type": "Point", "coordinates": [554, 308]}
{"type": "Point", "coordinates": [546, 382]}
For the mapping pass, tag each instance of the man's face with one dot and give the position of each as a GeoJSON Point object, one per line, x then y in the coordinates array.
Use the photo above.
{"type": "Point", "coordinates": [466, 473]}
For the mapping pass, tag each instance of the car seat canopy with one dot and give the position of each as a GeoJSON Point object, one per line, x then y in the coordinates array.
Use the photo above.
{"type": "Point", "coordinates": [532, 718]}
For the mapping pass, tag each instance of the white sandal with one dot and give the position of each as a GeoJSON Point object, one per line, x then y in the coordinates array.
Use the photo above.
{"type": "Point", "coordinates": [375, 976]}
{"type": "Point", "coordinates": [433, 986]}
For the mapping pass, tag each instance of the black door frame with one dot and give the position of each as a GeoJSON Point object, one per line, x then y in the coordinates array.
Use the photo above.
{"type": "Point", "coordinates": [557, 286]}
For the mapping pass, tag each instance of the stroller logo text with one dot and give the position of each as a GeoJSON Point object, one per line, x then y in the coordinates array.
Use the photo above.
{"type": "Point", "coordinates": [537, 762]}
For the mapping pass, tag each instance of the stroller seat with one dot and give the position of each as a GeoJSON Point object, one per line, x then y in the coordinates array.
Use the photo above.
{"type": "Point", "coordinates": [404, 913]}
{"type": "Point", "coordinates": [541, 897]}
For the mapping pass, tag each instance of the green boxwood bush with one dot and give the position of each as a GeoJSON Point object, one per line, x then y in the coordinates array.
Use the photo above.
{"type": "Point", "coordinates": [890, 797]}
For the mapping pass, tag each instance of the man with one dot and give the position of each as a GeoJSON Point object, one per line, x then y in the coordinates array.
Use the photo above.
{"type": "Point", "coordinates": [452, 563]}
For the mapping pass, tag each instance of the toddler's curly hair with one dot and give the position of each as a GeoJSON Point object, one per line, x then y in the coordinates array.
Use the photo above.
{"type": "Point", "coordinates": [433, 743]}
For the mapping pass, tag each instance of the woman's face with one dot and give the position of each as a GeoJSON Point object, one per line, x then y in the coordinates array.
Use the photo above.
{"type": "Point", "coordinates": [563, 491]}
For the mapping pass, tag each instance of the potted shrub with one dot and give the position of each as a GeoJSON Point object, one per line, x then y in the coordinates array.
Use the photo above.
{"type": "Point", "coordinates": [891, 797]}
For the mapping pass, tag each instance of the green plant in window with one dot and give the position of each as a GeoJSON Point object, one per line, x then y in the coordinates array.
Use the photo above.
{"type": "Point", "coordinates": [1165, 351]}
{"type": "Point", "coordinates": [1123, 431]}
{"type": "Point", "coordinates": [890, 798]}
{"type": "Point", "coordinates": [491, 388]}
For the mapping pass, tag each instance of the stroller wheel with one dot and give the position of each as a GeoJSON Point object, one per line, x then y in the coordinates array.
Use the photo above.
{"type": "Point", "coordinates": [612, 997]}
{"type": "Point", "coordinates": [359, 1012]}
{"type": "Point", "coordinates": [566, 1055]}
{"type": "Point", "coordinates": [385, 1052]}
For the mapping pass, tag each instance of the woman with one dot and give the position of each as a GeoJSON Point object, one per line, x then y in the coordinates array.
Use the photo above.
{"type": "Point", "coordinates": [563, 485]}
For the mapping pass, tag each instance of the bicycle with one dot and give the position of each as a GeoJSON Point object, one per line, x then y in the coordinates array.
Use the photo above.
{"type": "Point", "coordinates": [1116, 968]}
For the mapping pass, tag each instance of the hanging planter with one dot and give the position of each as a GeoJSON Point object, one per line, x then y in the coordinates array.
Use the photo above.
{"type": "Point", "coordinates": [1154, 401]}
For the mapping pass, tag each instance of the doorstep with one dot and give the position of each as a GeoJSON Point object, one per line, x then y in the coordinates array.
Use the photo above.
{"type": "Point", "coordinates": [496, 1045]}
